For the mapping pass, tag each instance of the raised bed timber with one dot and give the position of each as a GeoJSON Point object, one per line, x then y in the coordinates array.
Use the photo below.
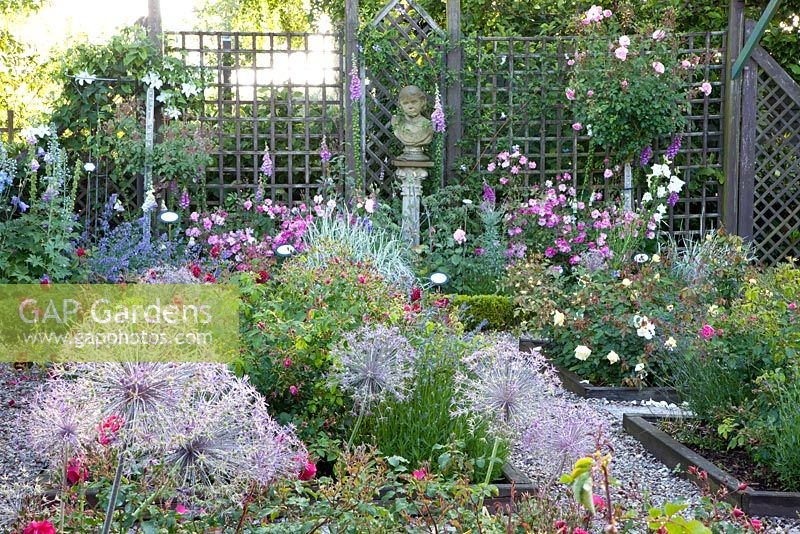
{"type": "Point", "coordinates": [673, 453]}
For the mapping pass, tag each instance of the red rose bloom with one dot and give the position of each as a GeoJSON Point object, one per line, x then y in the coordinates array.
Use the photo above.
{"type": "Point", "coordinates": [416, 294]}
{"type": "Point", "coordinates": [40, 527]}
{"type": "Point", "coordinates": [80, 252]}
{"type": "Point", "coordinates": [308, 472]}
{"type": "Point", "coordinates": [262, 278]}
{"type": "Point", "coordinates": [196, 272]}
{"type": "Point", "coordinates": [76, 471]}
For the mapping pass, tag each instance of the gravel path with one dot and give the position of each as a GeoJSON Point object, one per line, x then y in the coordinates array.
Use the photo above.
{"type": "Point", "coordinates": [19, 464]}
{"type": "Point", "coordinates": [635, 468]}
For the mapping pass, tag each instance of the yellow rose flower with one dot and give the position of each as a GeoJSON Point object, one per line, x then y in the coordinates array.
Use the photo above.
{"type": "Point", "coordinates": [558, 318]}
{"type": "Point", "coordinates": [626, 282]}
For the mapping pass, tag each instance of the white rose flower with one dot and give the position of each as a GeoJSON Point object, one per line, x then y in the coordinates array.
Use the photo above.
{"type": "Point", "coordinates": [671, 343]}
{"type": "Point", "coordinates": [582, 352]}
{"type": "Point", "coordinates": [612, 357]}
{"type": "Point", "coordinates": [639, 367]}
{"type": "Point", "coordinates": [558, 318]}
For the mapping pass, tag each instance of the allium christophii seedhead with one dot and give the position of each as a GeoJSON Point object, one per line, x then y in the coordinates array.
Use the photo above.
{"type": "Point", "coordinates": [558, 434]}
{"type": "Point", "coordinates": [58, 423]}
{"type": "Point", "coordinates": [374, 363]}
{"type": "Point", "coordinates": [224, 441]}
{"type": "Point", "coordinates": [504, 384]}
{"type": "Point", "coordinates": [145, 394]}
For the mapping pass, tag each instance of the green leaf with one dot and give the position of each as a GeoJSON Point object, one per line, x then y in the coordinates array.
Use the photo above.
{"type": "Point", "coordinates": [673, 508]}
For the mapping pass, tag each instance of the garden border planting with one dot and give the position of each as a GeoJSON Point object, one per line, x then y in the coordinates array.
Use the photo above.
{"type": "Point", "coordinates": [672, 453]}
{"type": "Point", "coordinates": [574, 383]}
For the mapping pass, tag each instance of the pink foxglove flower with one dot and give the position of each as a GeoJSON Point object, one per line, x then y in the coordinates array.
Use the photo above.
{"type": "Point", "coordinates": [356, 90]}
{"type": "Point", "coordinates": [324, 153]}
{"type": "Point", "coordinates": [437, 117]}
{"type": "Point", "coordinates": [185, 200]}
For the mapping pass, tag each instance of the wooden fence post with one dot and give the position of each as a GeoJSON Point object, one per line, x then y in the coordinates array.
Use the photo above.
{"type": "Point", "coordinates": [455, 130]}
{"type": "Point", "coordinates": [351, 26]}
{"type": "Point", "coordinates": [732, 119]}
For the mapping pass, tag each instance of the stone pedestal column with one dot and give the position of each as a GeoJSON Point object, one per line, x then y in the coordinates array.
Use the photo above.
{"type": "Point", "coordinates": [411, 174]}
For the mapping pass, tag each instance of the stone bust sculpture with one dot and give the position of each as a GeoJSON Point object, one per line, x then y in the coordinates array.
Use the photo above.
{"type": "Point", "coordinates": [409, 126]}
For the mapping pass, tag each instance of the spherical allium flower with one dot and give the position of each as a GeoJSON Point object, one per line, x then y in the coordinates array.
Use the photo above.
{"type": "Point", "coordinates": [225, 441]}
{"type": "Point", "coordinates": [374, 363]}
{"type": "Point", "coordinates": [503, 384]}
{"type": "Point", "coordinates": [144, 394]}
{"type": "Point", "coordinates": [59, 424]}
{"type": "Point", "coordinates": [559, 434]}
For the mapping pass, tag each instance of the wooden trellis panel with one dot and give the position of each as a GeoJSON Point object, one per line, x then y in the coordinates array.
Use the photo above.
{"type": "Point", "coordinates": [278, 89]}
{"type": "Point", "coordinates": [770, 174]}
{"type": "Point", "coordinates": [6, 126]}
{"type": "Point", "coordinates": [411, 30]}
{"type": "Point", "coordinates": [518, 89]}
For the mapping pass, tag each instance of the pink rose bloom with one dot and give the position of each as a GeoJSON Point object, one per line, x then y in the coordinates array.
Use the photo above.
{"type": "Point", "coordinates": [608, 173]}
{"type": "Point", "coordinates": [309, 471]}
{"type": "Point", "coordinates": [514, 170]}
{"type": "Point", "coordinates": [570, 94]}
{"type": "Point", "coordinates": [248, 205]}
{"type": "Point", "coordinates": [460, 236]}
{"type": "Point", "coordinates": [293, 390]}
{"type": "Point", "coordinates": [686, 64]}
{"type": "Point", "coordinates": [287, 362]}
{"type": "Point", "coordinates": [792, 306]}
{"type": "Point", "coordinates": [491, 167]}
{"type": "Point", "coordinates": [607, 13]}
{"type": "Point", "coordinates": [756, 524]}
{"type": "Point", "coordinates": [590, 93]}
{"type": "Point", "coordinates": [523, 160]}
{"type": "Point", "coordinates": [570, 62]}
{"type": "Point", "coordinates": [705, 88]}
{"type": "Point", "coordinates": [531, 164]}
{"type": "Point", "coordinates": [621, 53]}
{"type": "Point", "coordinates": [625, 41]}
{"type": "Point", "coordinates": [420, 473]}
{"type": "Point", "coordinates": [624, 84]}
{"type": "Point", "coordinates": [658, 35]}
{"type": "Point", "coordinates": [194, 216]}
{"type": "Point", "coordinates": [658, 67]}
{"type": "Point", "coordinates": [577, 127]}
{"type": "Point", "coordinates": [369, 205]}
{"type": "Point", "coordinates": [707, 332]}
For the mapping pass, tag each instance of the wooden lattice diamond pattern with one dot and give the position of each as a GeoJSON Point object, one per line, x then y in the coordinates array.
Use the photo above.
{"type": "Point", "coordinates": [410, 29]}
{"type": "Point", "coordinates": [776, 217]}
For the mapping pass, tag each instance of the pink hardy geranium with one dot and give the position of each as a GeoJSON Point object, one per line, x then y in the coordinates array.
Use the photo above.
{"type": "Point", "coordinates": [707, 332]}
{"type": "Point", "coordinates": [621, 53]}
{"type": "Point", "coordinates": [460, 236]}
{"type": "Point", "coordinates": [705, 88]}
{"type": "Point", "coordinates": [658, 67]}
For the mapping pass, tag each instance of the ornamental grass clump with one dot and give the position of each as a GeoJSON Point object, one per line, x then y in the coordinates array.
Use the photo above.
{"type": "Point", "coordinates": [373, 364]}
